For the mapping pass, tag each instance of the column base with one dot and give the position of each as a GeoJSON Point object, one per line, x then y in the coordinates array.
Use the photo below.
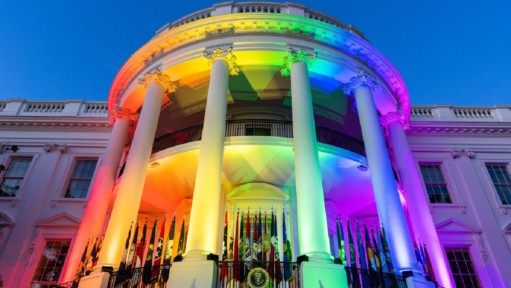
{"type": "Point", "coordinates": [419, 282]}
{"type": "Point", "coordinates": [325, 275]}
{"type": "Point", "coordinates": [96, 279]}
{"type": "Point", "coordinates": [202, 273]}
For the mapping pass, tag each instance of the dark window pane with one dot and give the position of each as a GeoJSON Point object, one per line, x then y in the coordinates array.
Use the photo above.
{"type": "Point", "coordinates": [462, 267]}
{"type": "Point", "coordinates": [436, 186]}
{"type": "Point", "coordinates": [81, 178]}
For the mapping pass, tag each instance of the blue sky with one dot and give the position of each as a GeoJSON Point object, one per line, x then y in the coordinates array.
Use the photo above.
{"type": "Point", "coordinates": [448, 52]}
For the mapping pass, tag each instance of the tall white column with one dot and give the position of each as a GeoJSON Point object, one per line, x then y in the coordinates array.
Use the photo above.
{"type": "Point", "coordinates": [205, 212]}
{"type": "Point", "coordinates": [390, 210]}
{"type": "Point", "coordinates": [130, 191]}
{"type": "Point", "coordinates": [312, 229]}
{"type": "Point", "coordinates": [415, 196]}
{"type": "Point", "coordinates": [97, 205]}
{"type": "Point", "coordinates": [195, 270]}
{"type": "Point", "coordinates": [312, 224]}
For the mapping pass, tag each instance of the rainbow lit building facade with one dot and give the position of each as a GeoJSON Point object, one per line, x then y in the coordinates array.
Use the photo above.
{"type": "Point", "coordinates": [259, 109]}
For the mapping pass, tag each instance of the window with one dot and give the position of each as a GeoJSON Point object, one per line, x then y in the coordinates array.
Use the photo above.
{"type": "Point", "coordinates": [50, 265]}
{"type": "Point", "coordinates": [435, 183]}
{"type": "Point", "coordinates": [79, 181]}
{"type": "Point", "coordinates": [502, 181]}
{"type": "Point", "coordinates": [14, 176]}
{"type": "Point", "coordinates": [462, 267]}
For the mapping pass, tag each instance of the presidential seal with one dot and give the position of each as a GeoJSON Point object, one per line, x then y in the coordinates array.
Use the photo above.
{"type": "Point", "coordinates": [258, 278]}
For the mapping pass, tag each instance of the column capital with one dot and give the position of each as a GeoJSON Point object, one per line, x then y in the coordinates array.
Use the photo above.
{"type": "Point", "coordinates": [225, 54]}
{"type": "Point", "coordinates": [157, 76]}
{"type": "Point", "coordinates": [297, 55]}
{"type": "Point", "coordinates": [119, 112]}
{"type": "Point", "coordinates": [394, 116]}
{"type": "Point", "coordinates": [361, 79]}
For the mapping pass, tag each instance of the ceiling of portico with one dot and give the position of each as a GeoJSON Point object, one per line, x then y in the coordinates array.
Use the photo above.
{"type": "Point", "coordinates": [260, 91]}
{"type": "Point", "coordinates": [171, 175]}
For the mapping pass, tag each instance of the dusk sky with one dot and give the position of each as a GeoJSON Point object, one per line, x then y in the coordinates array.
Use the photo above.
{"type": "Point", "coordinates": [448, 52]}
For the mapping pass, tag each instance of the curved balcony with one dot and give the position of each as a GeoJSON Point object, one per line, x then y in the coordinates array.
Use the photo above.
{"type": "Point", "coordinates": [259, 128]}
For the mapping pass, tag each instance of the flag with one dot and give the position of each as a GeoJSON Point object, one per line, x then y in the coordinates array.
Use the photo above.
{"type": "Point", "coordinates": [260, 238]}
{"type": "Point", "coordinates": [371, 260]}
{"type": "Point", "coordinates": [224, 269]}
{"type": "Point", "coordinates": [428, 264]}
{"type": "Point", "coordinates": [168, 251]}
{"type": "Point", "coordinates": [271, 258]}
{"type": "Point", "coordinates": [341, 246]}
{"type": "Point", "coordinates": [146, 275]}
{"type": "Point", "coordinates": [248, 243]}
{"type": "Point", "coordinates": [351, 245]}
{"type": "Point", "coordinates": [266, 239]}
{"type": "Point", "coordinates": [340, 241]}
{"type": "Point", "coordinates": [377, 251]}
{"type": "Point", "coordinates": [387, 250]}
{"type": "Point", "coordinates": [121, 277]}
{"type": "Point", "coordinates": [418, 257]}
{"type": "Point", "coordinates": [181, 243]}
{"type": "Point", "coordinates": [95, 259]}
{"type": "Point", "coordinates": [157, 256]}
{"type": "Point", "coordinates": [370, 252]}
{"type": "Point", "coordinates": [236, 257]}
{"type": "Point", "coordinates": [81, 267]}
{"type": "Point", "coordinates": [139, 257]}
{"type": "Point", "coordinates": [275, 247]}
{"type": "Point", "coordinates": [89, 260]}
{"type": "Point", "coordinates": [383, 259]}
{"type": "Point", "coordinates": [131, 253]}
{"type": "Point", "coordinates": [352, 259]}
{"type": "Point", "coordinates": [242, 251]}
{"type": "Point", "coordinates": [287, 250]}
{"type": "Point", "coordinates": [255, 238]}
{"type": "Point", "coordinates": [362, 257]}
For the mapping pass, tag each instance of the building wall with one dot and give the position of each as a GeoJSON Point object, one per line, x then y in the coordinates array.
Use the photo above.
{"type": "Point", "coordinates": [463, 140]}
{"type": "Point", "coordinates": [461, 143]}
{"type": "Point", "coordinates": [54, 134]}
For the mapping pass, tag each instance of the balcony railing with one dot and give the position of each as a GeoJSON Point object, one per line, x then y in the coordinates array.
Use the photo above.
{"type": "Point", "coordinates": [259, 128]}
{"type": "Point", "coordinates": [360, 278]}
{"type": "Point", "coordinates": [239, 274]}
{"type": "Point", "coordinates": [135, 277]}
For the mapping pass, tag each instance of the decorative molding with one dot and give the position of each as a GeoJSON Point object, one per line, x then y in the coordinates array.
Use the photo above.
{"type": "Point", "coordinates": [159, 77]}
{"type": "Point", "coordinates": [462, 152]}
{"type": "Point", "coordinates": [361, 79]}
{"type": "Point", "coordinates": [504, 131]}
{"type": "Point", "coordinates": [59, 220]}
{"type": "Point", "coordinates": [394, 116]}
{"type": "Point", "coordinates": [297, 55]}
{"type": "Point", "coordinates": [225, 54]}
{"type": "Point", "coordinates": [170, 40]}
{"type": "Point", "coordinates": [50, 147]}
{"type": "Point", "coordinates": [454, 226]}
{"type": "Point", "coordinates": [55, 124]}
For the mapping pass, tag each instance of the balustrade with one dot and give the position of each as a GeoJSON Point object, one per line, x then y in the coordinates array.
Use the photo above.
{"type": "Point", "coordinates": [259, 128]}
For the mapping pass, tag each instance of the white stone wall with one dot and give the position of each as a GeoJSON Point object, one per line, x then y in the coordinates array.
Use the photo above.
{"type": "Point", "coordinates": [54, 134]}
{"type": "Point", "coordinates": [463, 140]}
